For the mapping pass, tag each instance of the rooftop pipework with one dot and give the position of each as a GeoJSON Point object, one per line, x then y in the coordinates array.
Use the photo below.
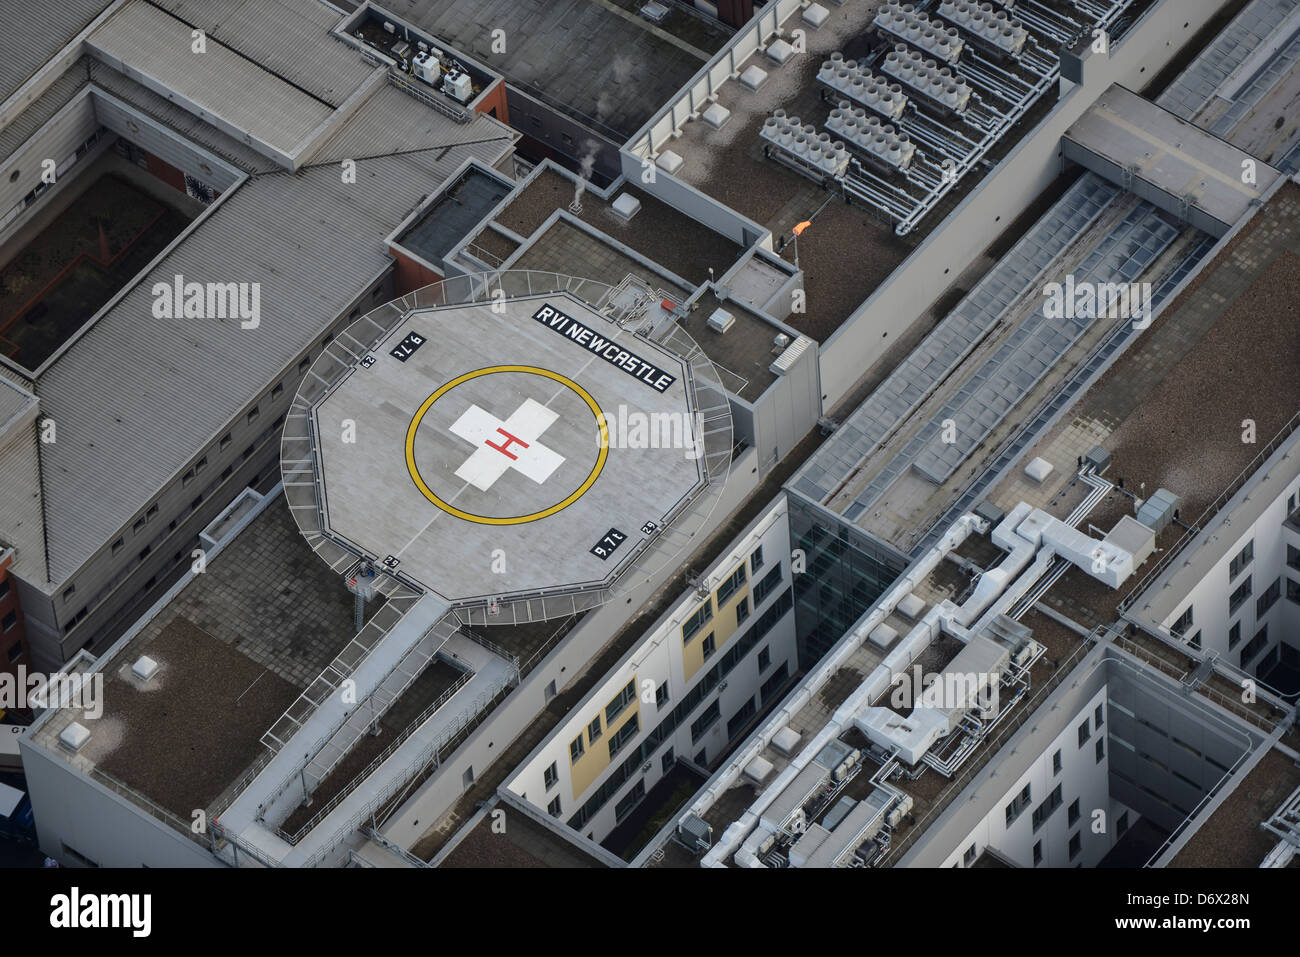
{"type": "Point", "coordinates": [939, 84]}
{"type": "Point", "coordinates": [989, 27]}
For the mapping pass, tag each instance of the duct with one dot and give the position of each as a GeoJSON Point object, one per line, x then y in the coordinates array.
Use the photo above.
{"type": "Point", "coordinates": [957, 533]}
{"type": "Point", "coordinates": [994, 581]}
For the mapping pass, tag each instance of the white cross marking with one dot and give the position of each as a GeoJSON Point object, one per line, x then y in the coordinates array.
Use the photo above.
{"type": "Point", "coordinates": [511, 444]}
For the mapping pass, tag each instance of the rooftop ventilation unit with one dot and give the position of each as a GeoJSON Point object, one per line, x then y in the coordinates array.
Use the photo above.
{"type": "Point", "coordinates": [903, 21]}
{"type": "Point", "coordinates": [789, 356]}
{"type": "Point", "coordinates": [988, 27]}
{"type": "Point", "coordinates": [721, 321]}
{"type": "Point", "coordinates": [1158, 511]}
{"type": "Point", "coordinates": [74, 736]}
{"type": "Point", "coordinates": [938, 84]}
{"type": "Point", "coordinates": [799, 144]}
{"type": "Point", "coordinates": [779, 343]}
{"type": "Point", "coordinates": [860, 84]}
{"type": "Point", "coordinates": [144, 668]}
{"type": "Point", "coordinates": [695, 832]}
{"type": "Point", "coordinates": [881, 142]}
{"type": "Point", "coordinates": [458, 86]}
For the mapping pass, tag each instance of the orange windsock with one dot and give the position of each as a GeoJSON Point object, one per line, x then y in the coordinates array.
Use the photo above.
{"type": "Point", "coordinates": [798, 230]}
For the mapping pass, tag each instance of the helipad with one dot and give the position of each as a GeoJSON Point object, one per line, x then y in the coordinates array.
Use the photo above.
{"type": "Point", "coordinates": [501, 449]}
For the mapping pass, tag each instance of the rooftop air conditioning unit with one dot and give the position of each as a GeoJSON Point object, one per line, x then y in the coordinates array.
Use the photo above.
{"type": "Point", "coordinates": [721, 320]}
{"type": "Point", "coordinates": [458, 86]}
{"type": "Point", "coordinates": [779, 343]}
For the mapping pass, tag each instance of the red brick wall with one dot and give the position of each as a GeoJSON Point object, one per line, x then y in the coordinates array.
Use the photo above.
{"type": "Point", "coordinates": [409, 275]}
{"type": "Point", "coordinates": [494, 102]}
{"type": "Point", "coordinates": [16, 636]}
{"type": "Point", "coordinates": [164, 171]}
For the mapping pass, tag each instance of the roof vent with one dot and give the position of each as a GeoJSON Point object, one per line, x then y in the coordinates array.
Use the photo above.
{"type": "Point", "coordinates": [144, 668]}
{"type": "Point", "coordinates": [721, 320]}
{"type": "Point", "coordinates": [74, 736]}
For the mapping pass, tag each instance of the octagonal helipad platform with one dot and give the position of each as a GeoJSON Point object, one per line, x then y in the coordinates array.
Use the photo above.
{"type": "Point", "coordinates": [495, 451]}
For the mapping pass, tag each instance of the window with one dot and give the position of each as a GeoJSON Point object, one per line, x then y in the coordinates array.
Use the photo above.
{"type": "Point", "coordinates": [705, 721]}
{"type": "Point", "coordinates": [225, 441]}
{"type": "Point", "coordinates": [1293, 590]}
{"type": "Point", "coordinates": [968, 858]}
{"type": "Point", "coordinates": [1239, 596]}
{"type": "Point", "coordinates": [117, 546]}
{"type": "Point", "coordinates": [1056, 763]}
{"type": "Point", "coordinates": [200, 465]}
{"type": "Point", "coordinates": [1084, 732]}
{"type": "Point", "coordinates": [1101, 749]}
{"type": "Point", "coordinates": [1018, 805]}
{"type": "Point", "coordinates": [69, 591]}
{"type": "Point", "coordinates": [620, 702]}
{"type": "Point", "coordinates": [1045, 810]}
{"type": "Point", "coordinates": [702, 616]}
{"type": "Point", "coordinates": [306, 362]}
{"type": "Point", "coordinates": [756, 560]}
{"type": "Point", "coordinates": [1076, 844]}
{"type": "Point", "coordinates": [253, 413]}
{"type": "Point", "coordinates": [1254, 646]}
{"type": "Point", "coordinates": [1097, 714]}
{"type": "Point", "coordinates": [139, 524]}
{"type": "Point", "coordinates": [553, 809]}
{"type": "Point", "coordinates": [576, 750]}
{"type": "Point", "coordinates": [1121, 824]}
{"type": "Point", "coordinates": [742, 610]}
{"type": "Point", "coordinates": [709, 647]}
{"type": "Point", "coordinates": [1038, 853]}
{"type": "Point", "coordinates": [278, 390]}
{"type": "Point", "coordinates": [594, 730]}
{"type": "Point", "coordinates": [667, 761]}
{"type": "Point", "coordinates": [764, 659]}
{"type": "Point", "coordinates": [1293, 557]}
{"type": "Point", "coordinates": [731, 585]}
{"type": "Point", "coordinates": [153, 510]}
{"type": "Point", "coordinates": [630, 800]}
{"type": "Point", "coordinates": [624, 734]}
{"type": "Point", "coordinates": [773, 684]}
{"type": "Point", "coordinates": [1183, 622]}
{"type": "Point", "coordinates": [1234, 635]}
{"type": "Point", "coordinates": [1072, 813]}
{"type": "Point", "coordinates": [1195, 641]}
{"type": "Point", "coordinates": [15, 651]}
{"type": "Point", "coordinates": [661, 694]}
{"type": "Point", "coordinates": [1244, 558]}
{"type": "Point", "coordinates": [8, 621]}
{"type": "Point", "coordinates": [1265, 601]}
{"type": "Point", "coordinates": [767, 584]}
{"type": "Point", "coordinates": [551, 776]}
{"type": "Point", "coordinates": [4, 588]}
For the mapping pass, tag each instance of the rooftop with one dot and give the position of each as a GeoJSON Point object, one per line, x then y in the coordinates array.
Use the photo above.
{"type": "Point", "coordinates": [556, 500]}
{"type": "Point", "coordinates": [324, 238]}
{"type": "Point", "coordinates": [235, 646]}
{"type": "Point", "coordinates": [548, 53]}
{"type": "Point", "coordinates": [989, 366]}
{"type": "Point", "coordinates": [1233, 835]}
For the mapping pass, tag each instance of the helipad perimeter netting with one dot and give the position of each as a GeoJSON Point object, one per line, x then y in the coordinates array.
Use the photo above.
{"type": "Point", "coordinates": [523, 444]}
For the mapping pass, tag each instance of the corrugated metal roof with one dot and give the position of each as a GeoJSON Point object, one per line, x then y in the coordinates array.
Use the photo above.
{"type": "Point", "coordinates": [219, 81]}
{"type": "Point", "coordinates": [138, 398]}
{"type": "Point", "coordinates": [31, 37]}
{"type": "Point", "coordinates": [179, 119]}
{"type": "Point", "coordinates": [290, 38]}
{"type": "Point", "coordinates": [55, 97]}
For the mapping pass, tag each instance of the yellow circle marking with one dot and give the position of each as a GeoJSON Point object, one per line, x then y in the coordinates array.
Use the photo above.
{"type": "Point", "coordinates": [447, 507]}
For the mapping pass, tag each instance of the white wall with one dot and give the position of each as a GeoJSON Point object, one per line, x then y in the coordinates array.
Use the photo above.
{"type": "Point", "coordinates": [1081, 778]}
{"type": "Point", "coordinates": [1209, 597]}
{"type": "Point", "coordinates": [660, 658]}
